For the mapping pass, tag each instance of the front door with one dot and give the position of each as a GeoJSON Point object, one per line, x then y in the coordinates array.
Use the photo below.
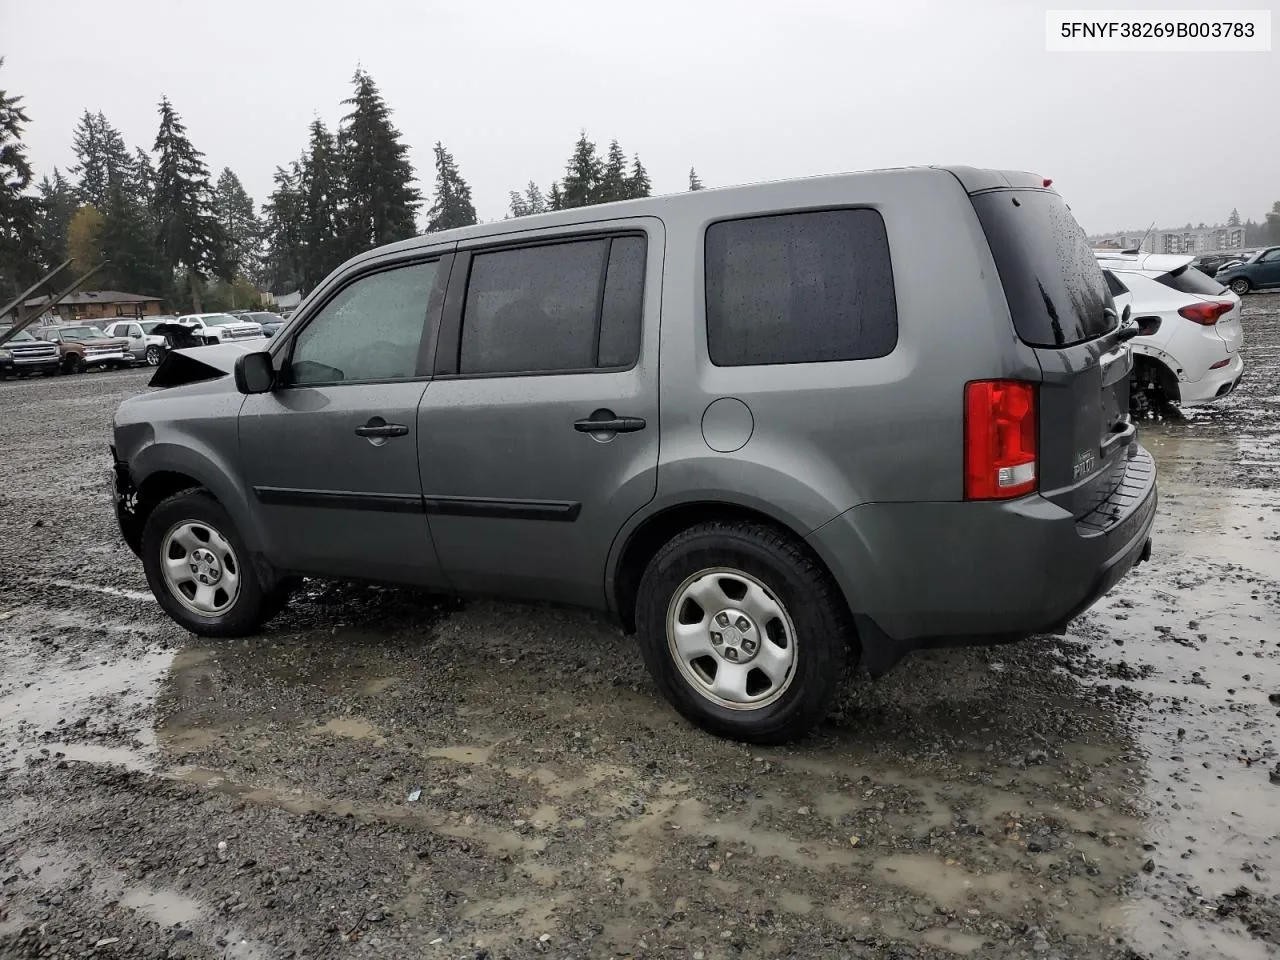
{"type": "Point", "coordinates": [331, 453]}
{"type": "Point", "coordinates": [1268, 268]}
{"type": "Point", "coordinates": [539, 434]}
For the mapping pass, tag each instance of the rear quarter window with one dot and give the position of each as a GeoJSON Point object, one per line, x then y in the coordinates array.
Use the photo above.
{"type": "Point", "coordinates": [1051, 278]}
{"type": "Point", "coordinates": [1190, 280]}
{"type": "Point", "coordinates": [799, 288]}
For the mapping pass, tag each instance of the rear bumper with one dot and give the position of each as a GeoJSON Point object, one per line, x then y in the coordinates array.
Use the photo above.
{"type": "Point", "coordinates": [942, 574]}
{"type": "Point", "coordinates": [1214, 385]}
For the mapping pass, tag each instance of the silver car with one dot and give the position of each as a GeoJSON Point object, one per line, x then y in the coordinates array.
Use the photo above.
{"type": "Point", "coordinates": [741, 422]}
{"type": "Point", "coordinates": [144, 345]}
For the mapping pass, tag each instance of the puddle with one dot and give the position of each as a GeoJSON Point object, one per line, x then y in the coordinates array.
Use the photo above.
{"type": "Point", "coordinates": [55, 697]}
{"type": "Point", "coordinates": [351, 727]}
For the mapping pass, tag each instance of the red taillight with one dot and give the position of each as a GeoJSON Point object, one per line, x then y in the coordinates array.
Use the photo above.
{"type": "Point", "coordinates": [1207, 313]}
{"type": "Point", "coordinates": [999, 439]}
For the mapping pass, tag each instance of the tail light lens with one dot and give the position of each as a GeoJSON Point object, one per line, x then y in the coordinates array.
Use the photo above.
{"type": "Point", "coordinates": [1000, 440]}
{"type": "Point", "coordinates": [1207, 313]}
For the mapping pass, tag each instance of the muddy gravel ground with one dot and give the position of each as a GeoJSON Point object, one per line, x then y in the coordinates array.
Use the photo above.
{"type": "Point", "coordinates": [388, 774]}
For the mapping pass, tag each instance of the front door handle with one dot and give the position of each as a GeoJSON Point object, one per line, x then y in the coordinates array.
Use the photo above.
{"type": "Point", "coordinates": [377, 427]}
{"type": "Point", "coordinates": [609, 424]}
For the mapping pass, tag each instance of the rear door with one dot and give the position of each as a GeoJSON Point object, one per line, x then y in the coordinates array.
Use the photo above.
{"type": "Point", "coordinates": [539, 432]}
{"type": "Point", "coordinates": [1061, 306]}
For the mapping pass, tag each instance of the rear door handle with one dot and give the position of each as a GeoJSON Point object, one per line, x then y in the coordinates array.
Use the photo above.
{"type": "Point", "coordinates": [377, 427]}
{"type": "Point", "coordinates": [612, 425]}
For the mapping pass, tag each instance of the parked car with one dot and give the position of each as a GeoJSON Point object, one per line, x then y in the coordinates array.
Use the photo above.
{"type": "Point", "coordinates": [220, 327]}
{"type": "Point", "coordinates": [82, 346]}
{"type": "Point", "coordinates": [1259, 272]}
{"type": "Point", "coordinates": [1187, 352]}
{"type": "Point", "coordinates": [822, 455]}
{"type": "Point", "coordinates": [1210, 264]}
{"type": "Point", "coordinates": [268, 321]}
{"type": "Point", "coordinates": [23, 354]}
{"type": "Point", "coordinates": [144, 345]}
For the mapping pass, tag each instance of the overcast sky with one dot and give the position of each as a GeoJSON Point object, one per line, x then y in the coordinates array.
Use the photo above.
{"type": "Point", "coordinates": [745, 91]}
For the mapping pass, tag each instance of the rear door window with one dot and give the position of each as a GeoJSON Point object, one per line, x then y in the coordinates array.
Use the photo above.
{"type": "Point", "coordinates": [1051, 278]}
{"type": "Point", "coordinates": [1190, 280]}
{"type": "Point", "coordinates": [567, 306]}
{"type": "Point", "coordinates": [800, 288]}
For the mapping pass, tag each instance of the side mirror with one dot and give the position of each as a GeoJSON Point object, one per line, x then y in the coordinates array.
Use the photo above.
{"type": "Point", "coordinates": [254, 372]}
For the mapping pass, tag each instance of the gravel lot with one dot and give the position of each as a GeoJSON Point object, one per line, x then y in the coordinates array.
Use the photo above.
{"type": "Point", "coordinates": [1108, 794]}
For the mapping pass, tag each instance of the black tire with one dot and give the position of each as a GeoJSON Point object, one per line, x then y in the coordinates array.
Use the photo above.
{"type": "Point", "coordinates": [807, 594]}
{"type": "Point", "coordinates": [256, 603]}
{"type": "Point", "coordinates": [74, 363]}
{"type": "Point", "coordinates": [1240, 286]}
{"type": "Point", "coordinates": [153, 356]}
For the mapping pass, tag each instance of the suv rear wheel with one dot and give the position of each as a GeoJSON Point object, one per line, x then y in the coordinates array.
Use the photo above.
{"type": "Point", "coordinates": [743, 631]}
{"type": "Point", "coordinates": [199, 569]}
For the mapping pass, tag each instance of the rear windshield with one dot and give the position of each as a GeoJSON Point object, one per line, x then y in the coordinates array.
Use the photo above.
{"type": "Point", "coordinates": [1052, 280]}
{"type": "Point", "coordinates": [1190, 280]}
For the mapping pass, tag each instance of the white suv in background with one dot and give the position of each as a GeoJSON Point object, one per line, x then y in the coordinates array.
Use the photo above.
{"type": "Point", "coordinates": [1187, 352]}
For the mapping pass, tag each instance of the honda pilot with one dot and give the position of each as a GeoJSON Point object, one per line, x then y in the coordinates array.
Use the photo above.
{"type": "Point", "coordinates": [742, 422]}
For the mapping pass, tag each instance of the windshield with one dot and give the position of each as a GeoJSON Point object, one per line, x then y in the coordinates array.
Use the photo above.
{"type": "Point", "coordinates": [220, 320]}
{"type": "Point", "coordinates": [80, 333]}
{"type": "Point", "coordinates": [20, 335]}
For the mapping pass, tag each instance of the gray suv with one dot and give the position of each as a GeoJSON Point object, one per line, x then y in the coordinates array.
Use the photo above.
{"type": "Point", "coordinates": [773, 430]}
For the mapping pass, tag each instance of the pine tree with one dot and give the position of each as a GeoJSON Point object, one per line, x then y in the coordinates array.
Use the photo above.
{"type": "Point", "coordinates": [555, 199]}
{"type": "Point", "coordinates": [452, 206]}
{"type": "Point", "coordinates": [533, 198]}
{"type": "Point", "coordinates": [320, 187]}
{"type": "Point", "coordinates": [1234, 219]}
{"type": "Point", "coordinates": [694, 182]}
{"type": "Point", "coordinates": [381, 200]}
{"type": "Point", "coordinates": [126, 241]}
{"type": "Point", "coordinates": [234, 211]}
{"type": "Point", "coordinates": [518, 206]}
{"type": "Point", "coordinates": [282, 230]}
{"type": "Point", "coordinates": [189, 237]}
{"type": "Point", "coordinates": [57, 206]}
{"type": "Point", "coordinates": [613, 182]}
{"type": "Point", "coordinates": [1273, 223]}
{"type": "Point", "coordinates": [102, 159]}
{"type": "Point", "coordinates": [143, 177]}
{"type": "Point", "coordinates": [19, 235]}
{"type": "Point", "coordinates": [638, 183]}
{"type": "Point", "coordinates": [582, 174]}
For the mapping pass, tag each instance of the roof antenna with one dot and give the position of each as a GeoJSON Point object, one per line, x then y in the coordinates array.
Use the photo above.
{"type": "Point", "coordinates": [1144, 237]}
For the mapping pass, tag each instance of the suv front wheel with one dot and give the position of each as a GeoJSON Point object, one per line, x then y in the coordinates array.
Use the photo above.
{"type": "Point", "coordinates": [199, 569]}
{"type": "Point", "coordinates": [1240, 286]}
{"type": "Point", "coordinates": [743, 631]}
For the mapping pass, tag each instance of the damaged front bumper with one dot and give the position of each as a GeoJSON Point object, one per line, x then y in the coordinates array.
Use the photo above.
{"type": "Point", "coordinates": [125, 495]}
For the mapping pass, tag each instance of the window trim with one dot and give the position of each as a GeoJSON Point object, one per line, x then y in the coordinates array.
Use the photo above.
{"type": "Point", "coordinates": [788, 212]}
{"type": "Point", "coordinates": [448, 358]}
{"type": "Point", "coordinates": [282, 354]}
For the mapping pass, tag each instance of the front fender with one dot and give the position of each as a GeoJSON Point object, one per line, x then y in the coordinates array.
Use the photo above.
{"type": "Point", "coordinates": [208, 468]}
